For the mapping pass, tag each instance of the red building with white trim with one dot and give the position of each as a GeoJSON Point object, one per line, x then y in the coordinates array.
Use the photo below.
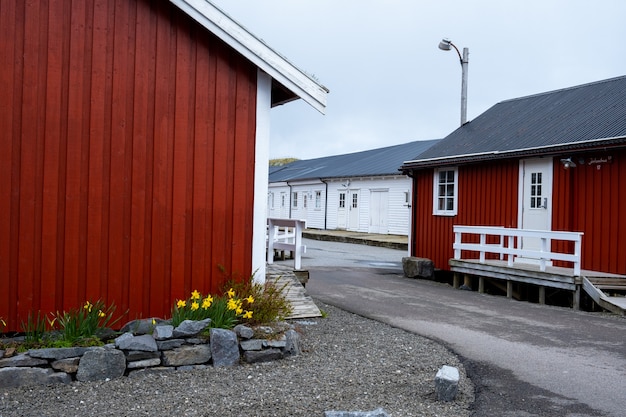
{"type": "Point", "coordinates": [134, 143]}
{"type": "Point", "coordinates": [551, 161]}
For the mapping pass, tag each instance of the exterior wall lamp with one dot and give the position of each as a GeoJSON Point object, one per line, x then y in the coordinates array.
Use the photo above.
{"type": "Point", "coordinates": [445, 45]}
{"type": "Point", "coordinates": [568, 163]}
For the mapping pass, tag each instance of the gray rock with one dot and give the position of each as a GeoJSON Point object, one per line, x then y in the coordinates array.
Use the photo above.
{"type": "Point", "coordinates": [142, 326]}
{"type": "Point", "coordinates": [16, 376]}
{"type": "Point", "coordinates": [276, 343]}
{"type": "Point", "coordinates": [144, 343]}
{"type": "Point", "coordinates": [165, 331]}
{"type": "Point", "coordinates": [139, 373]}
{"type": "Point", "coordinates": [292, 345]}
{"type": "Point", "coordinates": [67, 365]}
{"type": "Point", "coordinates": [254, 344]}
{"type": "Point", "coordinates": [447, 383]}
{"type": "Point", "coordinates": [124, 336]}
{"type": "Point", "coordinates": [58, 353]}
{"type": "Point", "coordinates": [224, 348]}
{"type": "Point", "coordinates": [244, 331]}
{"type": "Point", "coordinates": [144, 363]}
{"type": "Point", "coordinates": [137, 355]}
{"type": "Point", "coordinates": [379, 412]}
{"type": "Point", "coordinates": [266, 355]}
{"type": "Point", "coordinates": [190, 328]}
{"type": "Point", "coordinates": [195, 341]}
{"type": "Point", "coordinates": [169, 344]}
{"type": "Point", "coordinates": [418, 267]}
{"type": "Point", "coordinates": [101, 364]}
{"type": "Point", "coordinates": [21, 360]}
{"type": "Point", "coordinates": [187, 355]}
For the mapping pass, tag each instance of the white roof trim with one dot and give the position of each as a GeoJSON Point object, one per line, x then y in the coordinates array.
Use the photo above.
{"type": "Point", "coordinates": [255, 50]}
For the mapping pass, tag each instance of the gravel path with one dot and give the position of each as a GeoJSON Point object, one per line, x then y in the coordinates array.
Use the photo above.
{"type": "Point", "coordinates": [348, 363]}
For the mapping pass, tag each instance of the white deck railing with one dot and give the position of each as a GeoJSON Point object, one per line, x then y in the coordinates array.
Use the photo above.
{"type": "Point", "coordinates": [285, 234]}
{"type": "Point", "coordinates": [509, 244]}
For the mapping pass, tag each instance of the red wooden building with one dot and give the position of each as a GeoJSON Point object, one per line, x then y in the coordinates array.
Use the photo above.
{"type": "Point", "coordinates": [134, 138]}
{"type": "Point", "coordinates": [551, 161]}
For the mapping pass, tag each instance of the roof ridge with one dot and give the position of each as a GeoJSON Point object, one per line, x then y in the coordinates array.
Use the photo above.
{"type": "Point", "coordinates": [559, 90]}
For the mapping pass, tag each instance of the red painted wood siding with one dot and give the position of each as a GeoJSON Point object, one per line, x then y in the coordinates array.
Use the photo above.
{"type": "Point", "coordinates": [487, 197]}
{"type": "Point", "coordinates": [593, 200]}
{"type": "Point", "coordinates": [126, 156]}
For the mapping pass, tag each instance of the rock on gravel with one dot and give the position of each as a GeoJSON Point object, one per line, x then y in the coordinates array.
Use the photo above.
{"type": "Point", "coordinates": [347, 363]}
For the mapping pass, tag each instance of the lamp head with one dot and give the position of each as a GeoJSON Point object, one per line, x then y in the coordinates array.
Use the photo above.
{"type": "Point", "coordinates": [444, 45]}
{"type": "Point", "coordinates": [568, 163]}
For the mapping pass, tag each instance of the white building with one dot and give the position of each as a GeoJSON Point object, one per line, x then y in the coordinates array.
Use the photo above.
{"type": "Point", "coordinates": [362, 191]}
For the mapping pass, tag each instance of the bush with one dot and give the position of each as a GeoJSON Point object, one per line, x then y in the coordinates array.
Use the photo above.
{"type": "Point", "coordinates": [242, 302]}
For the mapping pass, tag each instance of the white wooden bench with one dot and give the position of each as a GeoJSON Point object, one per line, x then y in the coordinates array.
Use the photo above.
{"type": "Point", "coordinates": [285, 235]}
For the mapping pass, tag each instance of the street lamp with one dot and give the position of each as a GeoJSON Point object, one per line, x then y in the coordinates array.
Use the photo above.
{"type": "Point", "coordinates": [445, 45]}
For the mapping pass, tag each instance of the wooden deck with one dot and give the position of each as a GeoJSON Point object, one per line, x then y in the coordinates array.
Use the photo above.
{"type": "Point", "coordinates": [607, 290]}
{"type": "Point", "coordinates": [302, 304]}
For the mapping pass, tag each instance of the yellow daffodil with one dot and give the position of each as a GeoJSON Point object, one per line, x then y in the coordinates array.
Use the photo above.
{"type": "Point", "coordinates": [88, 306]}
{"type": "Point", "coordinates": [250, 299]}
{"type": "Point", "coordinates": [101, 314]}
{"type": "Point", "coordinates": [195, 295]}
{"type": "Point", "coordinates": [231, 293]}
{"type": "Point", "coordinates": [247, 314]}
{"type": "Point", "coordinates": [153, 322]}
{"type": "Point", "coordinates": [4, 323]}
{"type": "Point", "coordinates": [232, 304]}
{"type": "Point", "coordinates": [206, 303]}
{"type": "Point", "coordinates": [181, 303]}
{"type": "Point", "coordinates": [195, 306]}
{"type": "Point", "coordinates": [239, 310]}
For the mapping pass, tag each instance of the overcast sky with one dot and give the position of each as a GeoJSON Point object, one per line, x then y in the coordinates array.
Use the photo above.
{"type": "Point", "coordinates": [390, 84]}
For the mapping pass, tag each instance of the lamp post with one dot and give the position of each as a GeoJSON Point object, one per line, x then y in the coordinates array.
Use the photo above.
{"type": "Point", "coordinates": [445, 45]}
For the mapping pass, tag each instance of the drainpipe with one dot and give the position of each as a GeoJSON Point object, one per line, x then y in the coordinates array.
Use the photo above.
{"type": "Point", "coordinates": [325, 204]}
{"type": "Point", "coordinates": [289, 199]}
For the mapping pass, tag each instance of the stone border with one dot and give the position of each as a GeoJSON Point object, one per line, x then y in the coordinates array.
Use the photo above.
{"type": "Point", "coordinates": [150, 348]}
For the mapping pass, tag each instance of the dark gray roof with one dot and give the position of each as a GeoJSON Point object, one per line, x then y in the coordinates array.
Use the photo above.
{"type": "Point", "coordinates": [381, 161]}
{"type": "Point", "coordinates": [576, 117]}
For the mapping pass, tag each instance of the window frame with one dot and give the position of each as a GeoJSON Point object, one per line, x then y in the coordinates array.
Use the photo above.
{"type": "Point", "coordinates": [436, 196]}
{"type": "Point", "coordinates": [318, 200]}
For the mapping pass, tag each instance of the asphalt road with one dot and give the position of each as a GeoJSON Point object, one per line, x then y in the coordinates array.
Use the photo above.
{"type": "Point", "coordinates": [525, 359]}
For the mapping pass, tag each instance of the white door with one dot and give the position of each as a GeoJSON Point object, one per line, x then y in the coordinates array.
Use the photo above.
{"type": "Point", "coordinates": [353, 212]}
{"type": "Point", "coordinates": [379, 207]}
{"type": "Point", "coordinates": [535, 198]}
{"type": "Point", "coordinates": [342, 210]}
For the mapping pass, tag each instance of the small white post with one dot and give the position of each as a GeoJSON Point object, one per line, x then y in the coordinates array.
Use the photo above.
{"type": "Point", "coordinates": [298, 243]}
{"type": "Point", "coordinates": [483, 242]}
{"type": "Point", "coordinates": [457, 241]}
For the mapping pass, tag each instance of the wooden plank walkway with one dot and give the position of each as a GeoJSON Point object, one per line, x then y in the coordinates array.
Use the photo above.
{"type": "Point", "coordinates": [302, 304]}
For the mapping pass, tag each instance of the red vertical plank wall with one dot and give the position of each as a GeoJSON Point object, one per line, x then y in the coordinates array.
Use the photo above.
{"type": "Point", "coordinates": [487, 196]}
{"type": "Point", "coordinates": [587, 199]}
{"type": "Point", "coordinates": [126, 157]}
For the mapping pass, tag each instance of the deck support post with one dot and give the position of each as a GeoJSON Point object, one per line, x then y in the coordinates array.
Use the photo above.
{"type": "Point", "coordinates": [481, 285]}
{"type": "Point", "coordinates": [576, 301]}
{"type": "Point", "coordinates": [542, 294]}
{"type": "Point", "coordinates": [456, 280]}
{"type": "Point", "coordinates": [509, 289]}
{"type": "Point", "coordinates": [467, 280]}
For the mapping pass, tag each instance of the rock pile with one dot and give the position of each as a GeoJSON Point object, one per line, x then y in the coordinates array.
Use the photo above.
{"type": "Point", "coordinates": [144, 347]}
